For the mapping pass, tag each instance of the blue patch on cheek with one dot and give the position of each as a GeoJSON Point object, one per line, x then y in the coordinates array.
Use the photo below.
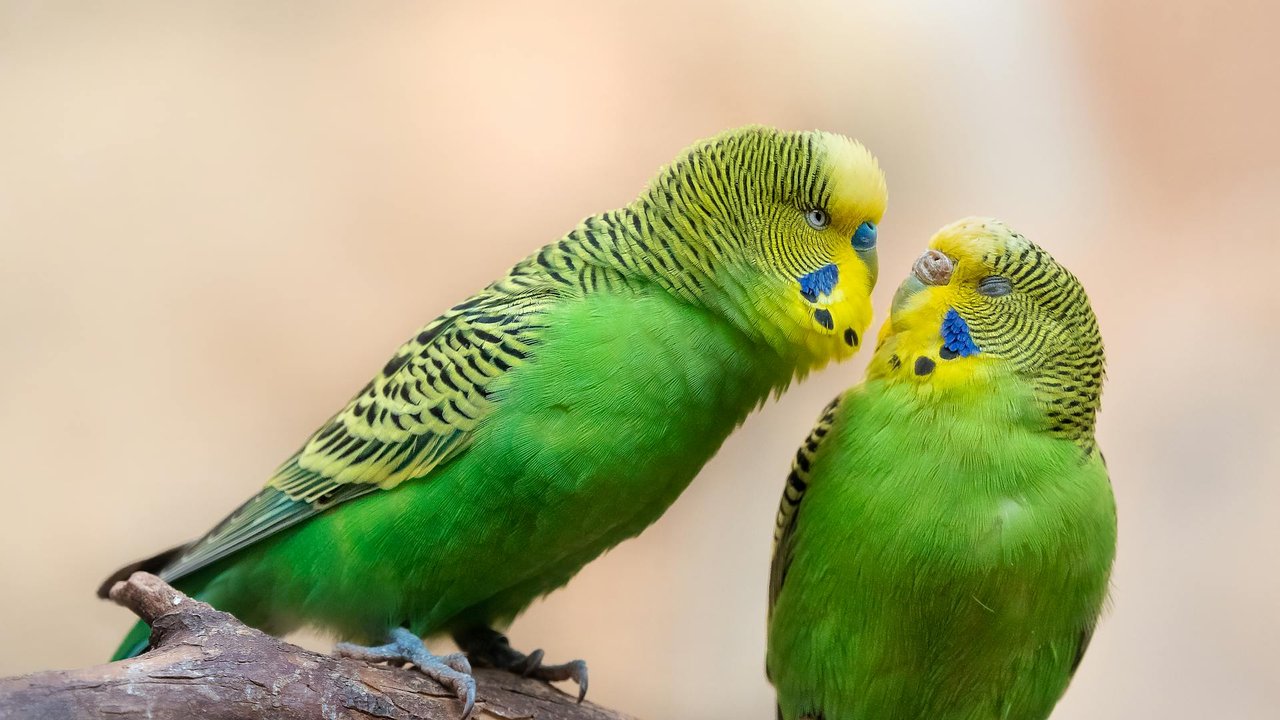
{"type": "Point", "coordinates": [819, 282]}
{"type": "Point", "coordinates": [956, 340]}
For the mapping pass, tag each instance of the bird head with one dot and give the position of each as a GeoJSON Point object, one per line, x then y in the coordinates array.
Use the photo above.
{"type": "Point", "coordinates": [984, 305]}
{"type": "Point", "coordinates": [781, 229]}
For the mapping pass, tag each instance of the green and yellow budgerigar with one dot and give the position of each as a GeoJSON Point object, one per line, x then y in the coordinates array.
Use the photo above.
{"type": "Point", "coordinates": [946, 535]}
{"type": "Point", "coordinates": [556, 412]}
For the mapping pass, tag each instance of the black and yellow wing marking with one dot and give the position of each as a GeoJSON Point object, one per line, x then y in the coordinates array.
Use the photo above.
{"type": "Point", "coordinates": [792, 495]}
{"type": "Point", "coordinates": [416, 415]}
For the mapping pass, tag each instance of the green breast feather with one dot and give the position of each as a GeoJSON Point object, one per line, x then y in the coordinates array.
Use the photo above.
{"type": "Point", "coordinates": [945, 538]}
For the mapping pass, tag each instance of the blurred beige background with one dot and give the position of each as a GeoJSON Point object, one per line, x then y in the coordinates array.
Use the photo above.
{"type": "Point", "coordinates": [217, 219]}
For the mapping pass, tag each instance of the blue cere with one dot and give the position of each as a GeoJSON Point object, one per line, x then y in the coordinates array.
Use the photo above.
{"type": "Point", "coordinates": [955, 335]}
{"type": "Point", "coordinates": [864, 238]}
{"type": "Point", "coordinates": [819, 282]}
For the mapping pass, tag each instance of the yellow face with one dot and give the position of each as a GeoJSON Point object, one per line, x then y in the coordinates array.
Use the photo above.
{"type": "Point", "coordinates": [780, 231]}
{"type": "Point", "coordinates": [983, 302]}
{"type": "Point", "coordinates": [911, 346]}
{"type": "Point", "coordinates": [818, 253]}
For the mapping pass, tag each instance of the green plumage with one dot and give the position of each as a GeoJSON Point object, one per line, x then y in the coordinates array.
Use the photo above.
{"type": "Point", "coordinates": [945, 538]}
{"type": "Point", "coordinates": [555, 413]}
{"type": "Point", "coordinates": [561, 470]}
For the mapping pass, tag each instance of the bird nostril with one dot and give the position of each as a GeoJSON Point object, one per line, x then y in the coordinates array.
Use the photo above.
{"type": "Point", "coordinates": [933, 268]}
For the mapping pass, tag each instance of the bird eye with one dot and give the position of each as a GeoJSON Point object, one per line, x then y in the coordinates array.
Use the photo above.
{"type": "Point", "coordinates": [864, 238]}
{"type": "Point", "coordinates": [994, 286]}
{"type": "Point", "coordinates": [818, 219]}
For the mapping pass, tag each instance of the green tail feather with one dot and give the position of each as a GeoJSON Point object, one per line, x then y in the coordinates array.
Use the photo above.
{"type": "Point", "coordinates": [135, 643]}
{"type": "Point", "coordinates": [138, 640]}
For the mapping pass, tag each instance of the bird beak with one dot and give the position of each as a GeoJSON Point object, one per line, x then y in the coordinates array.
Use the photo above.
{"type": "Point", "coordinates": [933, 268]}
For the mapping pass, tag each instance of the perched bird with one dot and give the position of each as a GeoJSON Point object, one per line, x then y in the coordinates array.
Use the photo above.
{"type": "Point", "coordinates": [556, 412]}
{"type": "Point", "coordinates": [946, 534]}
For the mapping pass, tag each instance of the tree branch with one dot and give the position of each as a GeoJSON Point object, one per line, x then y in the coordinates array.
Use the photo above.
{"type": "Point", "coordinates": [209, 665]}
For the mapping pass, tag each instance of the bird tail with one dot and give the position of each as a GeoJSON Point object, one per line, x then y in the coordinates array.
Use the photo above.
{"type": "Point", "coordinates": [135, 643]}
{"type": "Point", "coordinates": [153, 564]}
{"type": "Point", "coordinates": [139, 638]}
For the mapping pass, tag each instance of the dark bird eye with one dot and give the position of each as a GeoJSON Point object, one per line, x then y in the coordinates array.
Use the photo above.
{"type": "Point", "coordinates": [994, 286]}
{"type": "Point", "coordinates": [864, 238]}
{"type": "Point", "coordinates": [818, 219]}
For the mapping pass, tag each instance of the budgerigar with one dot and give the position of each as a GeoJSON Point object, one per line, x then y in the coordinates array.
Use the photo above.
{"type": "Point", "coordinates": [556, 412]}
{"type": "Point", "coordinates": [945, 538]}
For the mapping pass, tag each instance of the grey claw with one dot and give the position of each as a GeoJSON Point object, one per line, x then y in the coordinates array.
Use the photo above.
{"type": "Point", "coordinates": [457, 661]}
{"type": "Point", "coordinates": [490, 648]}
{"type": "Point", "coordinates": [468, 697]}
{"type": "Point", "coordinates": [452, 671]}
{"type": "Point", "coordinates": [462, 684]}
{"type": "Point", "coordinates": [575, 671]}
{"type": "Point", "coordinates": [531, 662]}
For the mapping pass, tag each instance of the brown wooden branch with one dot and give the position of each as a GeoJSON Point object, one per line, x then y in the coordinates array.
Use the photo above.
{"type": "Point", "coordinates": [206, 664]}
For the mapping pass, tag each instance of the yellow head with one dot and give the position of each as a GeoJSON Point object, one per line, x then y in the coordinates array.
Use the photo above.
{"type": "Point", "coordinates": [783, 225]}
{"type": "Point", "coordinates": [983, 305]}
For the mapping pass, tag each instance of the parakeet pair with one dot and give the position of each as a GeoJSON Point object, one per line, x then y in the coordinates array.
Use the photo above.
{"type": "Point", "coordinates": [556, 412]}
{"type": "Point", "coordinates": [946, 534]}
{"type": "Point", "coordinates": [945, 537]}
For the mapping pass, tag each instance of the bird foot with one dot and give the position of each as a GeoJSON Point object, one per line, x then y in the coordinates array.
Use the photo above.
{"type": "Point", "coordinates": [489, 648]}
{"type": "Point", "coordinates": [453, 671]}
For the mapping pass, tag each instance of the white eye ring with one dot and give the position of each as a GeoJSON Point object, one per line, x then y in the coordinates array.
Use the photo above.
{"type": "Point", "coordinates": [818, 219]}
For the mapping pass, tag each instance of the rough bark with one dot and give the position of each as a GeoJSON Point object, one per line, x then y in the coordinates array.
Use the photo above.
{"type": "Point", "coordinates": [207, 664]}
